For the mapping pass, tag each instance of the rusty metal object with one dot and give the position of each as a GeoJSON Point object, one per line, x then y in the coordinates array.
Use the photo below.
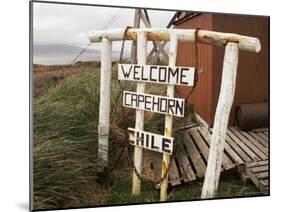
{"type": "Point", "coordinates": [252, 116]}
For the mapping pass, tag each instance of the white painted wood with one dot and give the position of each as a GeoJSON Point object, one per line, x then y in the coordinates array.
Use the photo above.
{"type": "Point", "coordinates": [134, 43]}
{"type": "Point", "coordinates": [151, 141]}
{"type": "Point", "coordinates": [168, 118]}
{"type": "Point", "coordinates": [225, 101]}
{"type": "Point", "coordinates": [157, 74]}
{"type": "Point", "coordinates": [104, 108]}
{"type": "Point", "coordinates": [151, 56]}
{"type": "Point", "coordinates": [155, 43]}
{"type": "Point", "coordinates": [232, 43]}
{"type": "Point", "coordinates": [144, 20]}
{"type": "Point", "coordinates": [201, 121]}
{"type": "Point", "coordinates": [245, 43]}
{"type": "Point", "coordinates": [141, 53]}
{"type": "Point", "coordinates": [154, 103]}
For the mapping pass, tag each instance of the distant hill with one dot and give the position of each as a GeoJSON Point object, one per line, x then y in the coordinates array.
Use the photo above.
{"type": "Point", "coordinates": [51, 54]}
{"type": "Point", "coordinates": [55, 49]}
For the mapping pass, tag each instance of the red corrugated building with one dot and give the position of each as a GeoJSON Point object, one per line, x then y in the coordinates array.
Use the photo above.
{"type": "Point", "coordinates": [253, 69]}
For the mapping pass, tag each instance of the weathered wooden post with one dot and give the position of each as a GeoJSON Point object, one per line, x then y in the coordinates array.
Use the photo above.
{"type": "Point", "coordinates": [168, 119]}
{"type": "Point", "coordinates": [225, 101]}
{"type": "Point", "coordinates": [231, 41]}
{"type": "Point", "coordinates": [134, 43]}
{"type": "Point", "coordinates": [104, 109]}
{"type": "Point", "coordinates": [141, 53]}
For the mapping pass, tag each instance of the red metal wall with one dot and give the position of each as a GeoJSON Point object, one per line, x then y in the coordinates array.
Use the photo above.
{"type": "Point", "coordinates": [252, 73]}
{"type": "Point", "coordinates": [252, 76]}
{"type": "Point", "coordinates": [202, 95]}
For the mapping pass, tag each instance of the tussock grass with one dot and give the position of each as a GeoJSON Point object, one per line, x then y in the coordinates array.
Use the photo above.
{"type": "Point", "coordinates": [230, 186]}
{"type": "Point", "coordinates": [48, 76]}
{"type": "Point", "coordinates": [65, 123]}
{"type": "Point", "coordinates": [65, 138]}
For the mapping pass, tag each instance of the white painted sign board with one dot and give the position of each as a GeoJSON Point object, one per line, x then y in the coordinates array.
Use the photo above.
{"type": "Point", "coordinates": [151, 141]}
{"type": "Point", "coordinates": [157, 74]}
{"type": "Point", "coordinates": [153, 103]}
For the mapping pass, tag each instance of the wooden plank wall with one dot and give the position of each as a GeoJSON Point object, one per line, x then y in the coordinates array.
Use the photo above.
{"type": "Point", "coordinates": [252, 76]}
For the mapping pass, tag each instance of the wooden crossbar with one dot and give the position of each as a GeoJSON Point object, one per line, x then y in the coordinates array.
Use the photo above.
{"type": "Point", "coordinates": [245, 43]}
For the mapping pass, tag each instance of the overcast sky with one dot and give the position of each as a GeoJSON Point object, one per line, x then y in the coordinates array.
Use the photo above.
{"type": "Point", "coordinates": [69, 24]}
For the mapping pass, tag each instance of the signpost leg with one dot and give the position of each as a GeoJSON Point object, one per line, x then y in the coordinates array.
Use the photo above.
{"type": "Point", "coordinates": [141, 53]}
{"type": "Point", "coordinates": [134, 43]}
{"type": "Point", "coordinates": [168, 119]}
{"type": "Point", "coordinates": [225, 101]}
{"type": "Point", "coordinates": [104, 109]}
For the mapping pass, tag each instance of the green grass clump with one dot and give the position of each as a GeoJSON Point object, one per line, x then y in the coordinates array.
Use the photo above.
{"type": "Point", "coordinates": [65, 122]}
{"type": "Point", "coordinates": [230, 186]}
{"type": "Point", "coordinates": [65, 135]}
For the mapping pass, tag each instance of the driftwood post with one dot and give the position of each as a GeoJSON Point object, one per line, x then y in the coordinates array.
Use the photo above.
{"type": "Point", "coordinates": [168, 119]}
{"type": "Point", "coordinates": [231, 41]}
{"type": "Point", "coordinates": [141, 53]}
{"type": "Point", "coordinates": [156, 44]}
{"type": "Point", "coordinates": [104, 109]}
{"type": "Point", "coordinates": [134, 43]}
{"type": "Point", "coordinates": [225, 101]}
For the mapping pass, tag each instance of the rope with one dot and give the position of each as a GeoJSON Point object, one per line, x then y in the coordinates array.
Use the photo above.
{"type": "Point", "coordinates": [123, 43]}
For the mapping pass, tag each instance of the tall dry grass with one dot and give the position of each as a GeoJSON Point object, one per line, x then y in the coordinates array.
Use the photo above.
{"type": "Point", "coordinates": [65, 122]}
{"type": "Point", "coordinates": [65, 138]}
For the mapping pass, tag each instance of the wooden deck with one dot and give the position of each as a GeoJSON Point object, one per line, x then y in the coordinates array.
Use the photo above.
{"type": "Point", "coordinates": [258, 173]}
{"type": "Point", "coordinates": [242, 152]}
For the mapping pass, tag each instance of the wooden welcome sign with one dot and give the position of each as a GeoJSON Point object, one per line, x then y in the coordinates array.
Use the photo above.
{"type": "Point", "coordinates": [171, 76]}
{"type": "Point", "coordinates": [151, 141]}
{"type": "Point", "coordinates": [157, 74]}
{"type": "Point", "coordinates": [169, 106]}
{"type": "Point", "coordinates": [153, 103]}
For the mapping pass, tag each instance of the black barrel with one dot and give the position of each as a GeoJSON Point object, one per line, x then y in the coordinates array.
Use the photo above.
{"type": "Point", "coordinates": [252, 116]}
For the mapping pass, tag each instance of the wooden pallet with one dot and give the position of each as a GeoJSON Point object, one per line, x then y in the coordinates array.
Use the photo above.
{"type": "Point", "coordinates": [259, 174]}
{"type": "Point", "coordinates": [191, 154]}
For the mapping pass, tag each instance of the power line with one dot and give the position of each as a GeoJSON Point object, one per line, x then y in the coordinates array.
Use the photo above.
{"type": "Point", "coordinates": [82, 51]}
{"type": "Point", "coordinates": [111, 19]}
